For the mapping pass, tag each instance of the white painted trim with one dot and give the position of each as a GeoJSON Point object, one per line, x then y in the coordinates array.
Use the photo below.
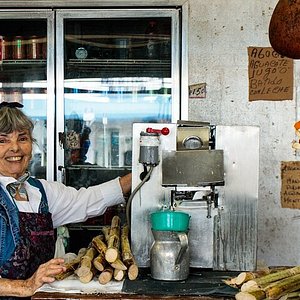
{"type": "Point", "coordinates": [94, 3]}
{"type": "Point", "coordinates": [184, 109]}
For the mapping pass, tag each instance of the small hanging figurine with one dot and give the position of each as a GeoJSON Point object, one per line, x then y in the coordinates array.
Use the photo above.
{"type": "Point", "coordinates": [296, 144]}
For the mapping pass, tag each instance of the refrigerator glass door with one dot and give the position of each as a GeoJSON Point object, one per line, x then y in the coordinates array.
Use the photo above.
{"type": "Point", "coordinates": [114, 68]}
{"type": "Point", "coordinates": [26, 77]}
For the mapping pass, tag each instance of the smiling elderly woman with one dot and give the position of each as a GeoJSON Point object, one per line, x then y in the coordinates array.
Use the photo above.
{"type": "Point", "coordinates": [30, 209]}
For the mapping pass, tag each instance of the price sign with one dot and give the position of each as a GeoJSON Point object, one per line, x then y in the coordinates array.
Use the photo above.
{"type": "Point", "coordinates": [197, 90]}
{"type": "Point", "coordinates": [270, 75]}
{"type": "Point", "coordinates": [290, 184]}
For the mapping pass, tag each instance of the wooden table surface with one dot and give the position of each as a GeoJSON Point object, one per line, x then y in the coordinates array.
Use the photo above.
{"type": "Point", "coordinates": [121, 296]}
{"type": "Point", "coordinates": [204, 285]}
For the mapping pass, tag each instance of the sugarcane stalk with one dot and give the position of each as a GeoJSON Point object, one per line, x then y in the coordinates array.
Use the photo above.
{"type": "Point", "coordinates": [105, 230]}
{"type": "Point", "coordinates": [277, 275]}
{"type": "Point", "coordinates": [81, 252]}
{"type": "Point", "coordinates": [87, 277]}
{"type": "Point", "coordinates": [118, 264]}
{"type": "Point", "coordinates": [119, 274]}
{"type": "Point", "coordinates": [86, 260]}
{"type": "Point", "coordinates": [125, 245]}
{"type": "Point", "coordinates": [113, 242]}
{"type": "Point", "coordinates": [99, 262]}
{"type": "Point", "coordinates": [71, 266]}
{"type": "Point", "coordinates": [231, 282]}
{"type": "Point", "coordinates": [254, 295]}
{"type": "Point", "coordinates": [282, 287]}
{"type": "Point", "coordinates": [250, 286]}
{"type": "Point", "coordinates": [99, 244]}
{"type": "Point", "coordinates": [127, 256]}
{"type": "Point", "coordinates": [263, 281]}
{"type": "Point", "coordinates": [290, 295]}
{"type": "Point", "coordinates": [246, 276]}
{"type": "Point", "coordinates": [106, 275]}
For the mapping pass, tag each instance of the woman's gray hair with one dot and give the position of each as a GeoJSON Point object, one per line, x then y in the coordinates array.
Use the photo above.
{"type": "Point", "coordinates": [13, 119]}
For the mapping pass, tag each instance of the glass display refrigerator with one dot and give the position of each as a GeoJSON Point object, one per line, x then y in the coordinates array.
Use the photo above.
{"type": "Point", "coordinates": [113, 68]}
{"type": "Point", "coordinates": [85, 76]}
{"type": "Point", "coordinates": [27, 76]}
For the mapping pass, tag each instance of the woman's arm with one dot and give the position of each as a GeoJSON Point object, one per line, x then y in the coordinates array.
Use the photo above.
{"type": "Point", "coordinates": [69, 205]}
{"type": "Point", "coordinates": [26, 288]}
{"type": "Point", "coordinates": [125, 182]}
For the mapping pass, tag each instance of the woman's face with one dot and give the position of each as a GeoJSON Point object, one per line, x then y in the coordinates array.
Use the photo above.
{"type": "Point", "coordinates": [15, 153]}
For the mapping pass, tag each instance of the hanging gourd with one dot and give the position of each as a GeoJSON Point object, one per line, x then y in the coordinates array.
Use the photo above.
{"type": "Point", "coordinates": [284, 28]}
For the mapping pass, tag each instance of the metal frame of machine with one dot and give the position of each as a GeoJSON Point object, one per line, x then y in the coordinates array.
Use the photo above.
{"type": "Point", "coordinates": [210, 172]}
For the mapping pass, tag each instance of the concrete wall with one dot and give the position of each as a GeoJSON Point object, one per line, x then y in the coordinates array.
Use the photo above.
{"type": "Point", "coordinates": [219, 34]}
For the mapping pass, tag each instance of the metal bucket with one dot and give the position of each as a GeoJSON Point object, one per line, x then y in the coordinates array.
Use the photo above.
{"type": "Point", "coordinates": [169, 256]}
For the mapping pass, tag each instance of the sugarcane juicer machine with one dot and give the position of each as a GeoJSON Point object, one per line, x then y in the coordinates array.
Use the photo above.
{"type": "Point", "coordinates": [208, 171]}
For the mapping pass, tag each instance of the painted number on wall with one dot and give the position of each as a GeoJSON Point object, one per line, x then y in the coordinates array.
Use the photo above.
{"type": "Point", "coordinates": [197, 90]}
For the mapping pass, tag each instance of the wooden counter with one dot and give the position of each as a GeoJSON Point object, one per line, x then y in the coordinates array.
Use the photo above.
{"type": "Point", "coordinates": [59, 296]}
{"type": "Point", "coordinates": [201, 285]}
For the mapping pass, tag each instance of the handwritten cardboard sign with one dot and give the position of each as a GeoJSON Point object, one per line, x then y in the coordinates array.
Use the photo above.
{"type": "Point", "coordinates": [197, 90]}
{"type": "Point", "coordinates": [290, 184]}
{"type": "Point", "coordinates": [270, 75]}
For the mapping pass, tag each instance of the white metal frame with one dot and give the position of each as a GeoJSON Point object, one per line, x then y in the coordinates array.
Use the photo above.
{"type": "Point", "coordinates": [46, 9]}
{"type": "Point", "coordinates": [91, 3]}
{"type": "Point", "coordinates": [63, 14]}
{"type": "Point", "coordinates": [49, 16]}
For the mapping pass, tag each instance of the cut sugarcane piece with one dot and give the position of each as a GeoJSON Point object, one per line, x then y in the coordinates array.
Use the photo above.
{"type": "Point", "coordinates": [254, 295]}
{"type": "Point", "coordinates": [106, 275]}
{"type": "Point", "coordinates": [113, 242]}
{"type": "Point", "coordinates": [127, 257]}
{"type": "Point", "coordinates": [86, 262]}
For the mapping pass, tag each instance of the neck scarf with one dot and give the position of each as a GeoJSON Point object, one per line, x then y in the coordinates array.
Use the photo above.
{"type": "Point", "coordinates": [17, 189]}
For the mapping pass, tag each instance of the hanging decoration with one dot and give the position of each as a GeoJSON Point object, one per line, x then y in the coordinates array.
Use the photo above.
{"type": "Point", "coordinates": [284, 28]}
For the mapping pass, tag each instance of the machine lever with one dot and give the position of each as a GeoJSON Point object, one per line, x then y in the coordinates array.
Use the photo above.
{"type": "Point", "coordinates": [163, 131]}
{"type": "Point", "coordinates": [208, 202]}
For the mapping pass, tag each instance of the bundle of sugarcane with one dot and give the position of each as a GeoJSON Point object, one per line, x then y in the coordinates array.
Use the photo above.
{"type": "Point", "coordinates": [107, 257]}
{"type": "Point", "coordinates": [118, 253]}
{"type": "Point", "coordinates": [276, 284]}
{"type": "Point", "coordinates": [71, 266]}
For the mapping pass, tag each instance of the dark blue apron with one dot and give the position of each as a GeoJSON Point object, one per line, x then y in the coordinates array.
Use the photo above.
{"type": "Point", "coordinates": [36, 244]}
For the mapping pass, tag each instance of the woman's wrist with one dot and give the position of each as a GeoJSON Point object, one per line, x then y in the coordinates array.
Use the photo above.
{"type": "Point", "coordinates": [16, 288]}
{"type": "Point", "coordinates": [125, 182]}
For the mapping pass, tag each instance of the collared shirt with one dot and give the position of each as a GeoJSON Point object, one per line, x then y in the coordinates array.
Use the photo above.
{"type": "Point", "coordinates": [67, 204]}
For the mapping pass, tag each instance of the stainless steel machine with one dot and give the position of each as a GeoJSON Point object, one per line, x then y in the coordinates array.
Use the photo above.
{"type": "Point", "coordinates": [211, 173]}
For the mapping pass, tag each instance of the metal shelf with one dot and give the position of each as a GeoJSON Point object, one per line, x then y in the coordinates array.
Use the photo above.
{"type": "Point", "coordinates": [23, 70]}
{"type": "Point", "coordinates": [15, 62]}
{"type": "Point", "coordinates": [138, 62]}
{"type": "Point", "coordinates": [118, 68]}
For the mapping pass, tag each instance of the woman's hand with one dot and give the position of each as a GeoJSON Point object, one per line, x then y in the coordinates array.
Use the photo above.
{"type": "Point", "coordinates": [26, 288]}
{"type": "Point", "coordinates": [44, 274]}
